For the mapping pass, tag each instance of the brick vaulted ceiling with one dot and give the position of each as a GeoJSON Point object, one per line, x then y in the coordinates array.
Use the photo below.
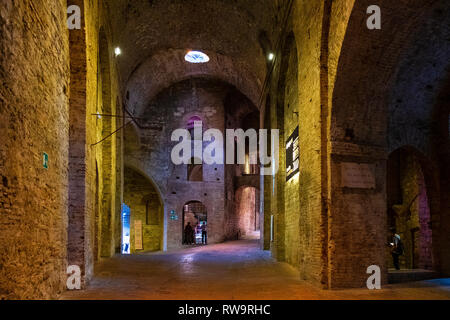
{"type": "Point", "coordinates": [154, 35]}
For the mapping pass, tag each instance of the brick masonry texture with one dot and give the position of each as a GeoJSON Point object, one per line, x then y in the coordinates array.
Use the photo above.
{"type": "Point", "coordinates": [34, 109]}
{"type": "Point", "coordinates": [375, 97]}
{"type": "Point", "coordinates": [350, 233]}
{"type": "Point", "coordinates": [170, 110]}
{"type": "Point", "coordinates": [145, 205]}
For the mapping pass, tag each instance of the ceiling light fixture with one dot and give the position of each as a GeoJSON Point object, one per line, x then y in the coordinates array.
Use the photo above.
{"type": "Point", "coordinates": [271, 56]}
{"type": "Point", "coordinates": [196, 57]}
{"type": "Point", "coordinates": [117, 51]}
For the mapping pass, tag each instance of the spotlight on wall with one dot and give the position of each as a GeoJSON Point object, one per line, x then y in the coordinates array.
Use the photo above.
{"type": "Point", "coordinates": [271, 56]}
{"type": "Point", "coordinates": [117, 51]}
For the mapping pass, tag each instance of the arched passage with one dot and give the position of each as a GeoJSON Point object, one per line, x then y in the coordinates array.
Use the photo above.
{"type": "Point", "coordinates": [400, 69]}
{"type": "Point", "coordinates": [195, 222]}
{"type": "Point", "coordinates": [409, 208]}
{"type": "Point", "coordinates": [143, 204]}
{"type": "Point", "coordinates": [247, 212]}
{"type": "Point", "coordinates": [156, 74]}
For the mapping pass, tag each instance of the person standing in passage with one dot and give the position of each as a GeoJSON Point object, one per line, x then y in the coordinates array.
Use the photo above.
{"type": "Point", "coordinates": [188, 231]}
{"type": "Point", "coordinates": [204, 234]}
{"type": "Point", "coordinates": [396, 248]}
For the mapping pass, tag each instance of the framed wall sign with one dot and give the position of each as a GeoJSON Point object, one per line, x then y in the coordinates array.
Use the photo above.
{"type": "Point", "coordinates": [173, 215]}
{"type": "Point", "coordinates": [45, 160]}
{"type": "Point", "coordinates": [292, 155]}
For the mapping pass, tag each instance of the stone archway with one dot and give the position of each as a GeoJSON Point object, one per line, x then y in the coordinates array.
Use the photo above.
{"type": "Point", "coordinates": [247, 212]}
{"type": "Point", "coordinates": [409, 207]}
{"type": "Point", "coordinates": [363, 127]}
{"type": "Point", "coordinates": [194, 223]}
{"type": "Point", "coordinates": [146, 212]}
{"type": "Point", "coordinates": [156, 74]}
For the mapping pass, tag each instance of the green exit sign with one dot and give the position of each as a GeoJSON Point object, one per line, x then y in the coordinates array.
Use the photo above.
{"type": "Point", "coordinates": [45, 160]}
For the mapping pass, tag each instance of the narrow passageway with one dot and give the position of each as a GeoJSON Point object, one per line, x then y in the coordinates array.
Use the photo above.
{"type": "Point", "coordinates": [229, 149]}
{"type": "Point", "coordinates": [236, 270]}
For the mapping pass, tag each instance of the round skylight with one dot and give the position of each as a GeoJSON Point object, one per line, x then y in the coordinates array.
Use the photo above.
{"type": "Point", "coordinates": [196, 57]}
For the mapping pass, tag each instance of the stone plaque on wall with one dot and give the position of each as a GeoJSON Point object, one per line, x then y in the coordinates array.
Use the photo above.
{"type": "Point", "coordinates": [138, 235]}
{"type": "Point", "coordinates": [358, 175]}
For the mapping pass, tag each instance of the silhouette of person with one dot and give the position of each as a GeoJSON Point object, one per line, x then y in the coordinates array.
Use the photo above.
{"type": "Point", "coordinates": [204, 234]}
{"type": "Point", "coordinates": [188, 233]}
{"type": "Point", "coordinates": [396, 248]}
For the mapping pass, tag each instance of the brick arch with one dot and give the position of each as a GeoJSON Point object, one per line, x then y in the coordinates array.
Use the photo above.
{"type": "Point", "coordinates": [424, 171]}
{"type": "Point", "coordinates": [139, 170]}
{"type": "Point", "coordinates": [422, 77]}
{"type": "Point", "coordinates": [358, 131]}
{"type": "Point", "coordinates": [145, 202]}
{"type": "Point", "coordinates": [166, 67]}
{"type": "Point", "coordinates": [247, 181]}
{"type": "Point", "coordinates": [191, 218]}
{"type": "Point", "coordinates": [372, 57]}
{"type": "Point", "coordinates": [247, 209]}
{"type": "Point", "coordinates": [418, 117]}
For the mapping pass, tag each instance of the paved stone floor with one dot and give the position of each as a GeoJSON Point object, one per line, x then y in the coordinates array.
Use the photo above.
{"type": "Point", "coordinates": [233, 270]}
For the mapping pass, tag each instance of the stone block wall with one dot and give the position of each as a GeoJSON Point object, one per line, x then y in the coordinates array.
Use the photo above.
{"type": "Point", "coordinates": [296, 100]}
{"type": "Point", "coordinates": [172, 110]}
{"type": "Point", "coordinates": [34, 119]}
{"type": "Point", "coordinates": [50, 91]}
{"type": "Point", "coordinates": [95, 171]}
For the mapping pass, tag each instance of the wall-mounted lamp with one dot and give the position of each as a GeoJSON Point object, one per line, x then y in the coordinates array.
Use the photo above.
{"type": "Point", "coordinates": [271, 56]}
{"type": "Point", "coordinates": [117, 51]}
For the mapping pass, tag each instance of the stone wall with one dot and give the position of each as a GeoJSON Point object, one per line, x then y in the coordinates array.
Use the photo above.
{"type": "Point", "coordinates": [95, 156]}
{"type": "Point", "coordinates": [293, 215]}
{"type": "Point", "coordinates": [342, 119]}
{"type": "Point", "coordinates": [172, 110]}
{"type": "Point", "coordinates": [50, 110]}
{"type": "Point", "coordinates": [295, 92]}
{"type": "Point", "coordinates": [34, 119]}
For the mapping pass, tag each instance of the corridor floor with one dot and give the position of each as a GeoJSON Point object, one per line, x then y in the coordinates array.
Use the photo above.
{"type": "Point", "coordinates": [229, 271]}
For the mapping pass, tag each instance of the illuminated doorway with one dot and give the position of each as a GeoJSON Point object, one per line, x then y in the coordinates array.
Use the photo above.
{"type": "Point", "coordinates": [247, 213]}
{"type": "Point", "coordinates": [126, 213]}
{"type": "Point", "coordinates": [195, 224]}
